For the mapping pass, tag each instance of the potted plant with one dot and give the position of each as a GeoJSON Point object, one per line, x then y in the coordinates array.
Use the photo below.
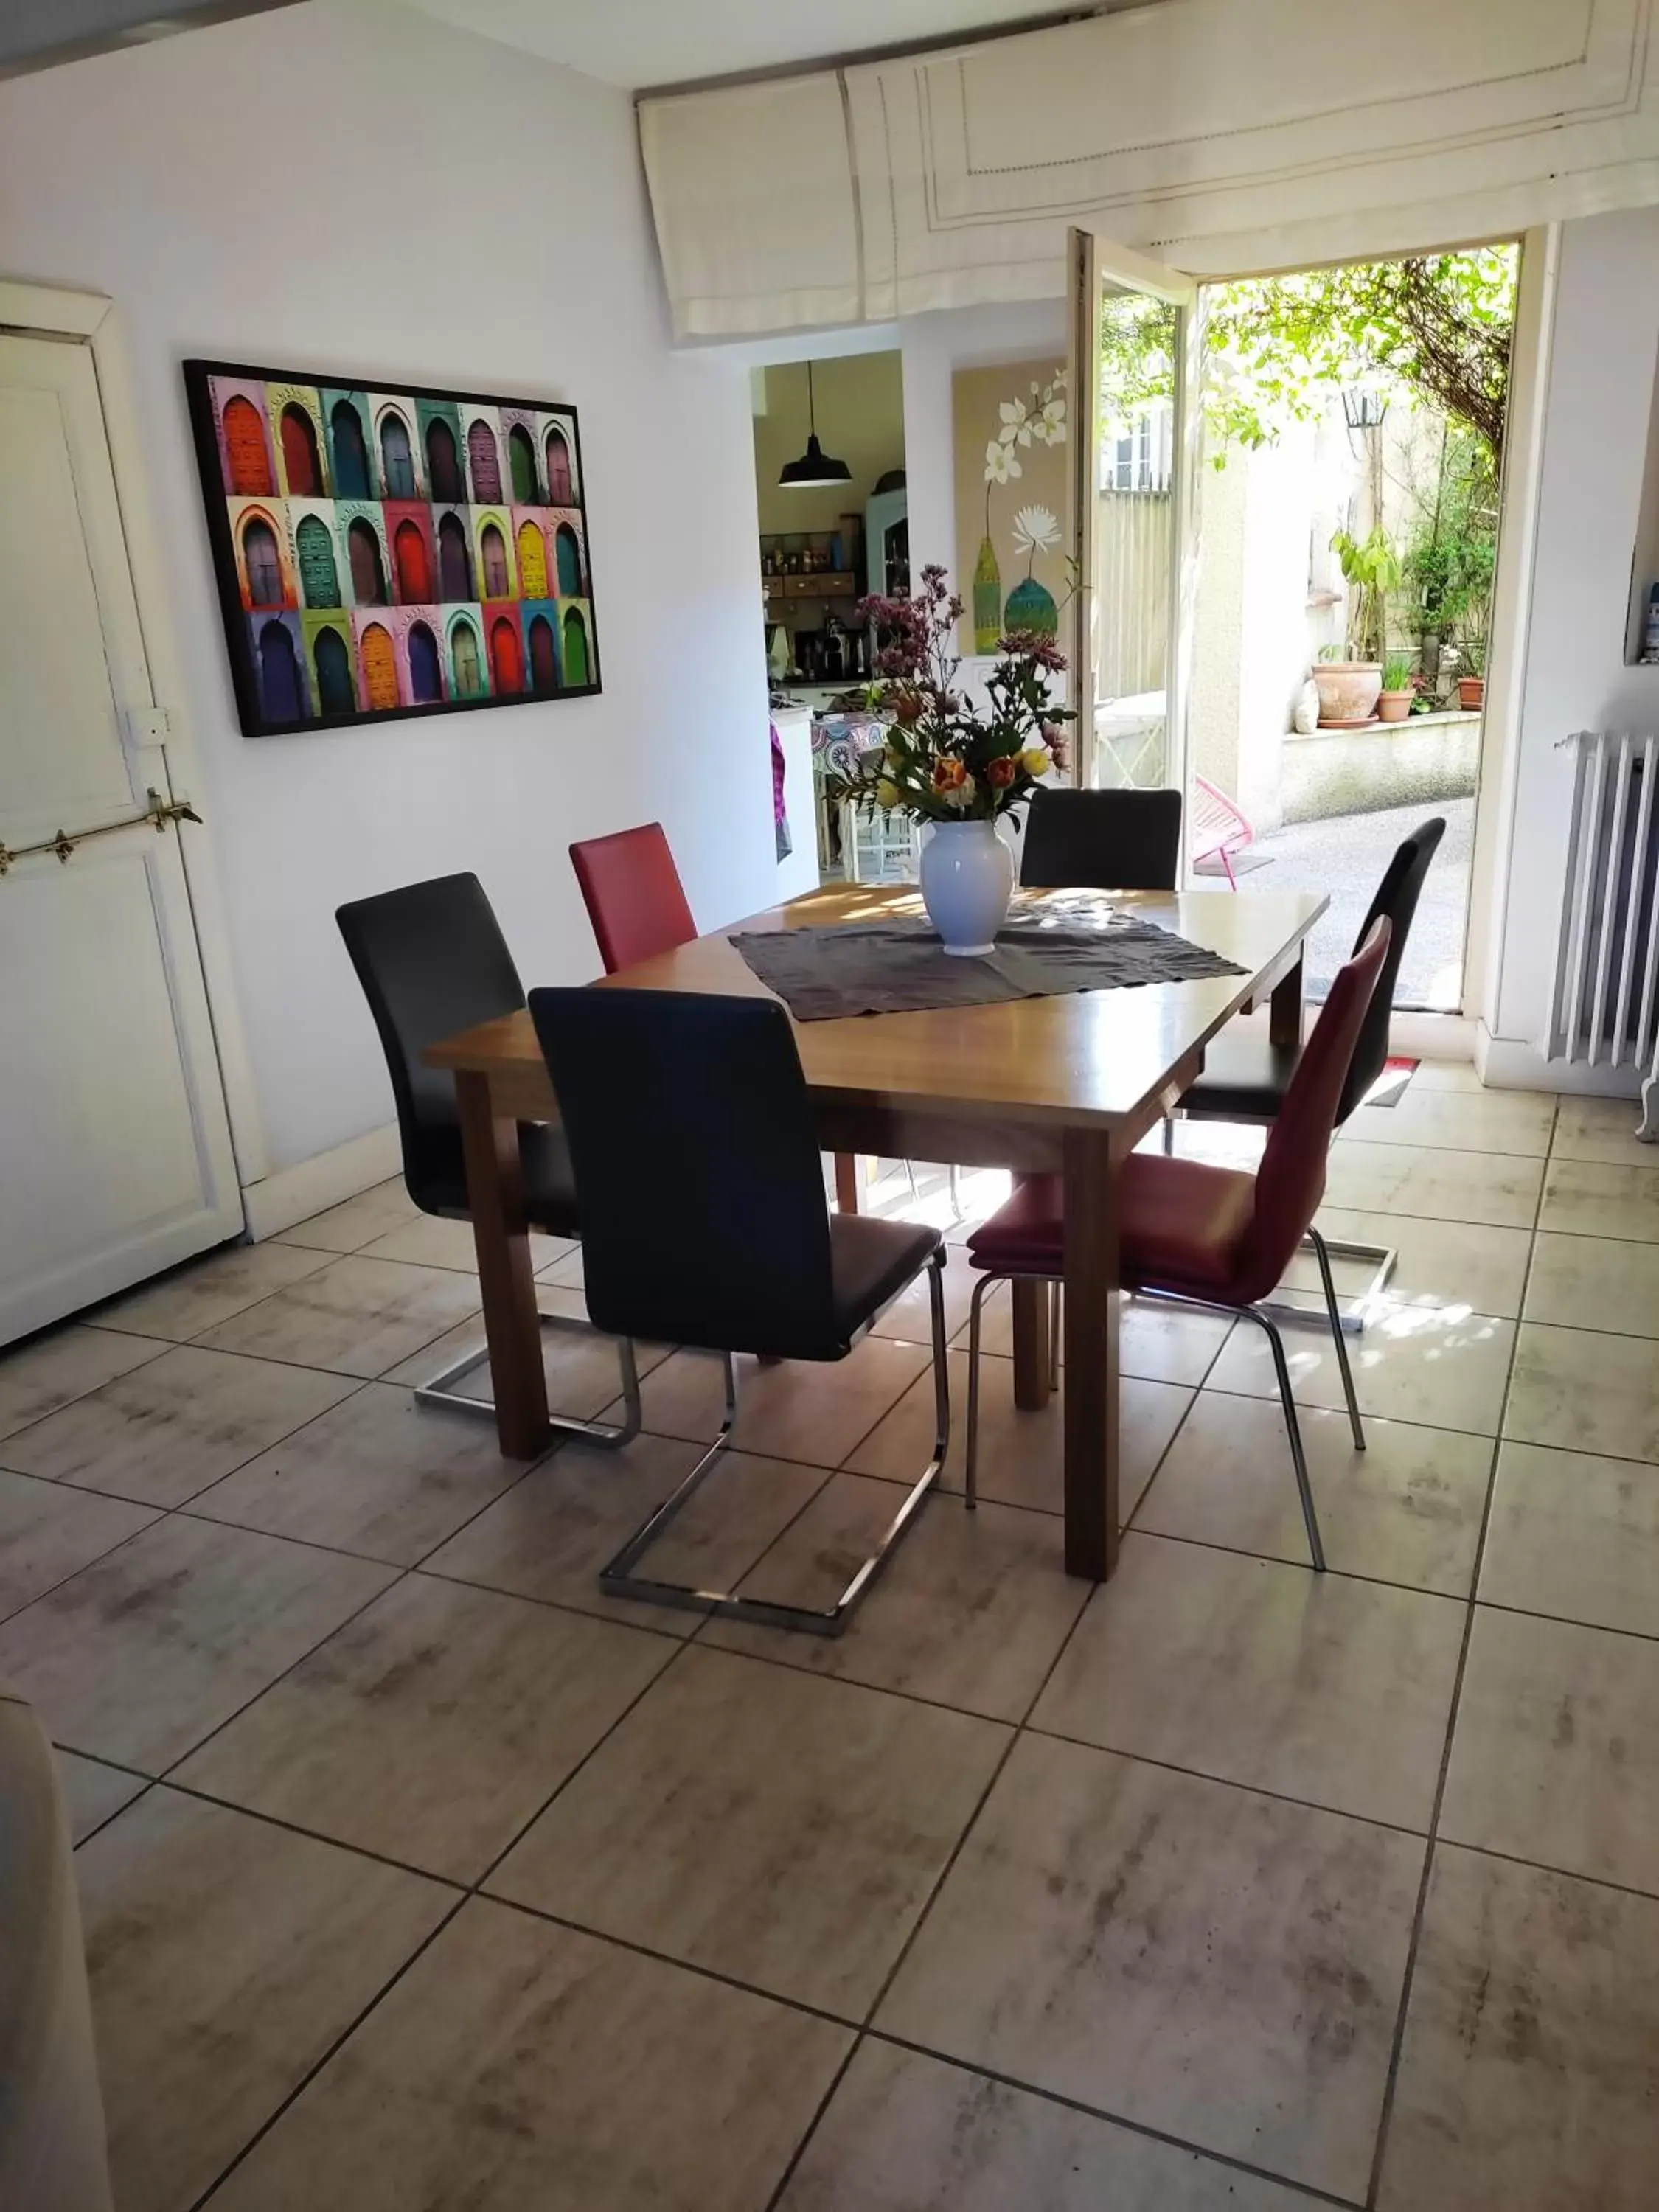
{"type": "Point", "coordinates": [1472, 674]}
{"type": "Point", "coordinates": [952, 764]}
{"type": "Point", "coordinates": [1348, 689]}
{"type": "Point", "coordinates": [1394, 701]}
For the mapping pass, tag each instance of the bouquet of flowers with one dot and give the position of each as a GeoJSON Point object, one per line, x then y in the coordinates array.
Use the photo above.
{"type": "Point", "coordinates": [945, 760]}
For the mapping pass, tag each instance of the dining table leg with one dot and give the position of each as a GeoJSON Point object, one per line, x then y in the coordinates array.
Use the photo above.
{"type": "Point", "coordinates": [1092, 1277]}
{"type": "Point", "coordinates": [847, 1182]}
{"type": "Point", "coordinates": [1032, 1366]}
{"type": "Point", "coordinates": [1284, 1007]}
{"type": "Point", "coordinates": [506, 1280]}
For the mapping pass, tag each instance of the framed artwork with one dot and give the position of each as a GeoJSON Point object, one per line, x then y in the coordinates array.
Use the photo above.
{"type": "Point", "coordinates": [1008, 436]}
{"type": "Point", "coordinates": [382, 553]}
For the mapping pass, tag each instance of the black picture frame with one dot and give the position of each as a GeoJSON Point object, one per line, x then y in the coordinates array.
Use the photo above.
{"type": "Point", "coordinates": [297, 569]}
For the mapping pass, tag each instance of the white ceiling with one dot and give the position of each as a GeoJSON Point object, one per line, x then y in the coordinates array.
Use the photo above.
{"type": "Point", "coordinates": [639, 43]}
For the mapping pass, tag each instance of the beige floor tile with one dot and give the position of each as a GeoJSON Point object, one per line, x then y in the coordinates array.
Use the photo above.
{"type": "Point", "coordinates": [225, 1956]}
{"type": "Point", "coordinates": [1406, 1510]}
{"type": "Point", "coordinates": [517, 2066]}
{"type": "Point", "coordinates": [1596, 1282]}
{"type": "Point", "coordinates": [433, 1726]}
{"type": "Point", "coordinates": [1459, 1121]}
{"type": "Point", "coordinates": [1021, 1455]}
{"type": "Point", "coordinates": [140, 1656]}
{"type": "Point", "coordinates": [905, 2133]}
{"type": "Point", "coordinates": [1529, 2074]}
{"type": "Point", "coordinates": [1449, 1075]}
{"type": "Point", "coordinates": [747, 1818]}
{"type": "Point", "coordinates": [1554, 1756]}
{"type": "Point", "coordinates": [1585, 1391]}
{"type": "Point", "coordinates": [93, 1793]}
{"type": "Point", "coordinates": [1438, 1263]}
{"type": "Point", "coordinates": [430, 1241]}
{"type": "Point", "coordinates": [1497, 1189]}
{"type": "Point", "coordinates": [1574, 1536]}
{"type": "Point", "coordinates": [1156, 1343]}
{"type": "Point", "coordinates": [970, 1612]}
{"type": "Point", "coordinates": [1602, 1198]}
{"type": "Point", "coordinates": [358, 1221]}
{"type": "Point", "coordinates": [910, 1315]}
{"type": "Point", "coordinates": [352, 1317]}
{"type": "Point", "coordinates": [175, 1425]}
{"type": "Point", "coordinates": [550, 1535]}
{"type": "Point", "coordinates": [39, 1377]}
{"type": "Point", "coordinates": [1603, 1129]}
{"type": "Point", "coordinates": [1315, 1686]}
{"type": "Point", "coordinates": [1443, 1367]}
{"type": "Point", "coordinates": [47, 1534]}
{"type": "Point", "coordinates": [196, 1296]}
{"type": "Point", "coordinates": [380, 1474]}
{"type": "Point", "coordinates": [1207, 1962]}
{"type": "Point", "coordinates": [583, 1377]}
{"type": "Point", "coordinates": [799, 1409]}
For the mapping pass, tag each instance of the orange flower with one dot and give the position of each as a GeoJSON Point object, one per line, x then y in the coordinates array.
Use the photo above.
{"type": "Point", "coordinates": [949, 775]}
{"type": "Point", "coordinates": [1001, 772]}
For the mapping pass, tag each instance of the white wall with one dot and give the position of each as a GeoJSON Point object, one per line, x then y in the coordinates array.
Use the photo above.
{"type": "Point", "coordinates": [1605, 343]}
{"type": "Point", "coordinates": [357, 189]}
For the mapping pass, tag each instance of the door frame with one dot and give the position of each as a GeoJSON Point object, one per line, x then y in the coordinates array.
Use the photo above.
{"type": "Point", "coordinates": [67, 313]}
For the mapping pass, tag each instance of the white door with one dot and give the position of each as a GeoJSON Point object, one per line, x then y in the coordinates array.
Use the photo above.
{"type": "Point", "coordinates": [1131, 510]}
{"type": "Point", "coordinates": [115, 1154]}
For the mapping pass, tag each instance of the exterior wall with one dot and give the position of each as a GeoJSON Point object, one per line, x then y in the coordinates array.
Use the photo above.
{"type": "Point", "coordinates": [1410, 763]}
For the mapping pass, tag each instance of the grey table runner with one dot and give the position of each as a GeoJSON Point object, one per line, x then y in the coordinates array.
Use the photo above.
{"type": "Point", "coordinates": [898, 966]}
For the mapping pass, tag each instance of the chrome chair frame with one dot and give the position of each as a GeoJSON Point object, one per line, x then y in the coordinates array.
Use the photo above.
{"type": "Point", "coordinates": [1261, 1314]}
{"type": "Point", "coordinates": [619, 1579]}
{"type": "Point", "coordinates": [439, 1390]}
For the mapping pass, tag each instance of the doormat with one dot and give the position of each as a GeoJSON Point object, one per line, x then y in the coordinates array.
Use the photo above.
{"type": "Point", "coordinates": [1244, 864]}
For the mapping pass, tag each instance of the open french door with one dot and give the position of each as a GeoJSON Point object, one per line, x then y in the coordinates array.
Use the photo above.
{"type": "Point", "coordinates": [1131, 514]}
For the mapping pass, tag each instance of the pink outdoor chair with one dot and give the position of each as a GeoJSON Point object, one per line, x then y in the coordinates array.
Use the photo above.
{"type": "Point", "coordinates": [1216, 827]}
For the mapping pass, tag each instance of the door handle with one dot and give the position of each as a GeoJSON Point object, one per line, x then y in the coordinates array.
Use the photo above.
{"type": "Point", "coordinates": [158, 812]}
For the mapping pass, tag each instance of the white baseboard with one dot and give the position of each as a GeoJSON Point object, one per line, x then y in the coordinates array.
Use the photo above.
{"type": "Point", "coordinates": [291, 1195]}
{"type": "Point", "coordinates": [1507, 1065]}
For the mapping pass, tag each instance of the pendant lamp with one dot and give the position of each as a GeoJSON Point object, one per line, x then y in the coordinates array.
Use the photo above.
{"type": "Point", "coordinates": [815, 466]}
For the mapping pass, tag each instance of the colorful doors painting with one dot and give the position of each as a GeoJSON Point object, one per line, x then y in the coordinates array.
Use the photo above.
{"type": "Point", "coordinates": [443, 464]}
{"type": "Point", "coordinates": [575, 650]}
{"type": "Point", "coordinates": [319, 577]}
{"type": "Point", "coordinates": [379, 666]}
{"type": "Point", "coordinates": [396, 460]}
{"type": "Point", "coordinates": [367, 569]}
{"type": "Point", "coordinates": [350, 454]}
{"type": "Point", "coordinates": [493, 547]}
{"type": "Point", "coordinates": [302, 464]}
{"type": "Point", "coordinates": [279, 675]}
{"type": "Point", "coordinates": [333, 673]}
{"type": "Point", "coordinates": [246, 454]}
{"type": "Point", "coordinates": [506, 656]}
{"type": "Point", "coordinates": [424, 680]}
{"type": "Point", "coordinates": [463, 651]}
{"type": "Point", "coordinates": [486, 464]}
{"type": "Point", "coordinates": [568, 552]}
{"type": "Point", "coordinates": [532, 562]}
{"type": "Point", "coordinates": [414, 569]}
{"type": "Point", "coordinates": [558, 469]}
{"type": "Point", "coordinates": [544, 658]}
{"type": "Point", "coordinates": [454, 564]}
{"type": "Point", "coordinates": [264, 564]}
{"type": "Point", "coordinates": [521, 459]}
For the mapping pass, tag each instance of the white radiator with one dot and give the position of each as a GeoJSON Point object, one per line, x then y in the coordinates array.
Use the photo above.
{"type": "Point", "coordinates": [1604, 1009]}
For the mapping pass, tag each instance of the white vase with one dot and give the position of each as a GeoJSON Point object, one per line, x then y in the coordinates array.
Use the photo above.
{"type": "Point", "coordinates": [966, 881]}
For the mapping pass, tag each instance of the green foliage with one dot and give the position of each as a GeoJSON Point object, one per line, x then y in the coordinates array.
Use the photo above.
{"type": "Point", "coordinates": [1372, 568]}
{"type": "Point", "coordinates": [1397, 672]}
{"type": "Point", "coordinates": [1452, 553]}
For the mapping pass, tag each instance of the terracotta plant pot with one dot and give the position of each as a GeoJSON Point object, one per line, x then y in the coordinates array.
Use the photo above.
{"type": "Point", "coordinates": [1393, 706]}
{"type": "Point", "coordinates": [1470, 691]}
{"type": "Point", "coordinates": [1347, 689]}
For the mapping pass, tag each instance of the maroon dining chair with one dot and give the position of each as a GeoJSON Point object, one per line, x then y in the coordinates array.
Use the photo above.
{"type": "Point", "coordinates": [634, 896]}
{"type": "Point", "coordinates": [1203, 1235]}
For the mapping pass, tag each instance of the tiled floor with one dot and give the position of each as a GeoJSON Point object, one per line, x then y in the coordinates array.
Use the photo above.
{"type": "Point", "coordinates": [416, 1875]}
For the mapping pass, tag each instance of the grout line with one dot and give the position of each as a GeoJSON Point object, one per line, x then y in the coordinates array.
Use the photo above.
{"type": "Point", "coordinates": [1396, 2048]}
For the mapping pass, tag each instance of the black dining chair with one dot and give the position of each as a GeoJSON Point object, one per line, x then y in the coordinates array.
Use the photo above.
{"type": "Point", "coordinates": [705, 1224]}
{"type": "Point", "coordinates": [1105, 841]}
{"type": "Point", "coordinates": [1246, 1076]}
{"type": "Point", "coordinates": [431, 960]}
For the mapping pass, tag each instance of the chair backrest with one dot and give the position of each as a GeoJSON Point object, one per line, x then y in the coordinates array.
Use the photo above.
{"type": "Point", "coordinates": [634, 895]}
{"type": "Point", "coordinates": [704, 1220]}
{"type": "Point", "coordinates": [431, 959]}
{"type": "Point", "coordinates": [1106, 841]}
{"type": "Point", "coordinates": [1290, 1180]}
{"type": "Point", "coordinates": [1396, 898]}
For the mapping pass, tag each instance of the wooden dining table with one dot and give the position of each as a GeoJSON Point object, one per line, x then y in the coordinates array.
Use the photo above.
{"type": "Point", "coordinates": [1065, 1085]}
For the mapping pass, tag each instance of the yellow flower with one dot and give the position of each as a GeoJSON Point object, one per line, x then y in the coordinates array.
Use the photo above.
{"type": "Point", "coordinates": [1037, 760]}
{"type": "Point", "coordinates": [887, 791]}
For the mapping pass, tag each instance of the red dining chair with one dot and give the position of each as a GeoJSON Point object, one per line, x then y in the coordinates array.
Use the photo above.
{"type": "Point", "coordinates": [1208, 1236]}
{"type": "Point", "coordinates": [634, 896]}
